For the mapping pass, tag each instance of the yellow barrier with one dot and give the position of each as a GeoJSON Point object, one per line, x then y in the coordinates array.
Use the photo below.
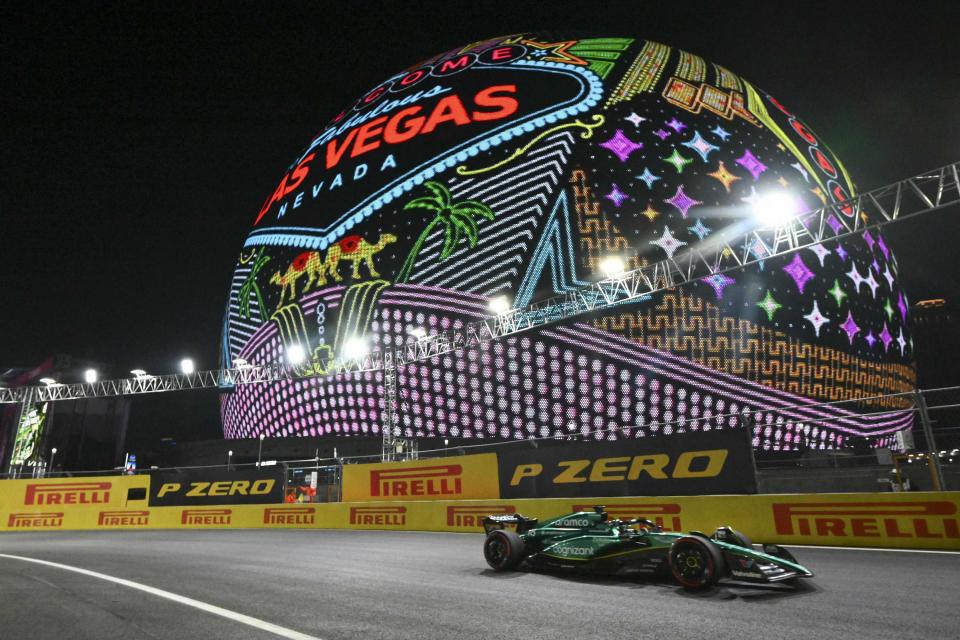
{"type": "Point", "coordinates": [896, 520]}
{"type": "Point", "coordinates": [459, 478]}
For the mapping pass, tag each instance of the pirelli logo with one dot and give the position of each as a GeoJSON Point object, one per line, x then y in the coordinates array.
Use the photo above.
{"type": "Point", "coordinates": [443, 480]}
{"type": "Point", "coordinates": [290, 515]}
{"type": "Point", "coordinates": [123, 518]}
{"type": "Point", "coordinates": [68, 493]}
{"type": "Point", "coordinates": [35, 520]}
{"type": "Point", "coordinates": [472, 516]}
{"type": "Point", "coordinates": [920, 519]}
{"type": "Point", "coordinates": [206, 517]}
{"type": "Point", "coordinates": [666, 515]}
{"type": "Point", "coordinates": [378, 516]}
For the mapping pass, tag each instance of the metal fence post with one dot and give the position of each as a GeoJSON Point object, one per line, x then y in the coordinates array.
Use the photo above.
{"type": "Point", "coordinates": [931, 443]}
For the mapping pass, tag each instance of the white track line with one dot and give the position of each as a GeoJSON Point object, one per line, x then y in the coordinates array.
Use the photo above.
{"type": "Point", "coordinates": [256, 623]}
{"type": "Point", "coordinates": [814, 546]}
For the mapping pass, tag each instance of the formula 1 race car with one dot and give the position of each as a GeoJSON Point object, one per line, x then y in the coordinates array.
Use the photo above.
{"type": "Point", "coordinates": [591, 542]}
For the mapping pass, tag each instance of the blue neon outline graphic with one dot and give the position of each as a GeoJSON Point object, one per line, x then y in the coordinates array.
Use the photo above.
{"type": "Point", "coordinates": [588, 98]}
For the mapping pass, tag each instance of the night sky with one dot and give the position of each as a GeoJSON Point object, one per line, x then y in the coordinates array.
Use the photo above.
{"type": "Point", "coordinates": [139, 145]}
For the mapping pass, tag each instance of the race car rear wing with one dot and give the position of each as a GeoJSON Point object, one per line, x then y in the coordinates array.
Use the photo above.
{"type": "Point", "coordinates": [513, 520]}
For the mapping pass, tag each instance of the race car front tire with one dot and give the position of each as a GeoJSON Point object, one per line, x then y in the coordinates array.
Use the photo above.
{"type": "Point", "coordinates": [503, 549]}
{"type": "Point", "coordinates": [695, 562]}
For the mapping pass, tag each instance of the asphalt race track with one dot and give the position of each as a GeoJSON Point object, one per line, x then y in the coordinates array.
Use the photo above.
{"type": "Point", "coordinates": [378, 584]}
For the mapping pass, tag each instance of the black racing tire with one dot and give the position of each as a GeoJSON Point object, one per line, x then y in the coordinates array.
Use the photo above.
{"type": "Point", "coordinates": [503, 550]}
{"type": "Point", "coordinates": [695, 562]}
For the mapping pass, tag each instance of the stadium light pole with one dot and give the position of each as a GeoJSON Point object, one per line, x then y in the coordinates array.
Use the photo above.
{"type": "Point", "coordinates": [53, 455]}
{"type": "Point", "coordinates": [500, 305]}
{"type": "Point", "coordinates": [612, 266]}
{"type": "Point", "coordinates": [229, 458]}
{"type": "Point", "coordinates": [260, 450]}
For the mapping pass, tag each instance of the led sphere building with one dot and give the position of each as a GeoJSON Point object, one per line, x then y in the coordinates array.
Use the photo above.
{"type": "Point", "coordinates": [524, 167]}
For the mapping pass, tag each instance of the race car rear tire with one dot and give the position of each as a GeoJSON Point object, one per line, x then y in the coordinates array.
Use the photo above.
{"type": "Point", "coordinates": [695, 562]}
{"type": "Point", "coordinates": [503, 549]}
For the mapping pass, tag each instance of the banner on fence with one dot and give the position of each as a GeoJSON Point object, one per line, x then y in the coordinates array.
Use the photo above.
{"type": "Point", "coordinates": [187, 487]}
{"type": "Point", "coordinates": [691, 464]}
{"type": "Point", "coordinates": [456, 478]}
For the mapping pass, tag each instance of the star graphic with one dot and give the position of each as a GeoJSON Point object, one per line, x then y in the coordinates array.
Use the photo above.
{"type": "Point", "coordinates": [902, 342]}
{"type": "Point", "coordinates": [837, 292]}
{"type": "Point", "coordinates": [873, 284]}
{"type": "Point", "coordinates": [840, 251]}
{"type": "Point", "coordinates": [700, 145]}
{"type": "Point", "coordinates": [888, 308]}
{"type": "Point", "coordinates": [662, 134]}
{"type": "Point", "coordinates": [850, 327]}
{"type": "Point", "coordinates": [676, 125]}
{"type": "Point", "coordinates": [817, 191]}
{"type": "Point", "coordinates": [875, 265]}
{"type": "Point", "coordinates": [699, 229]}
{"type": "Point", "coordinates": [620, 145]}
{"type": "Point", "coordinates": [799, 271]}
{"type": "Point", "coordinates": [721, 133]}
{"type": "Point", "coordinates": [667, 242]}
{"type": "Point", "coordinates": [781, 147]}
{"type": "Point", "coordinates": [888, 276]}
{"type": "Point", "coordinates": [902, 305]}
{"type": "Point", "coordinates": [854, 274]}
{"type": "Point", "coordinates": [816, 318]}
{"type": "Point", "coordinates": [719, 282]}
{"type": "Point", "coordinates": [558, 51]}
{"type": "Point", "coordinates": [650, 212]}
{"type": "Point", "coordinates": [616, 196]}
{"type": "Point", "coordinates": [725, 177]}
{"type": "Point", "coordinates": [868, 238]}
{"type": "Point", "coordinates": [649, 177]}
{"type": "Point", "coordinates": [759, 250]}
{"type": "Point", "coordinates": [885, 337]}
{"type": "Point", "coordinates": [750, 162]}
{"type": "Point", "coordinates": [677, 160]}
{"type": "Point", "coordinates": [883, 247]}
{"type": "Point", "coordinates": [635, 119]}
{"type": "Point", "coordinates": [803, 172]}
{"type": "Point", "coordinates": [833, 223]}
{"type": "Point", "coordinates": [870, 338]}
{"type": "Point", "coordinates": [682, 201]}
{"type": "Point", "coordinates": [769, 305]}
{"type": "Point", "coordinates": [821, 251]}
{"type": "Point", "coordinates": [783, 182]}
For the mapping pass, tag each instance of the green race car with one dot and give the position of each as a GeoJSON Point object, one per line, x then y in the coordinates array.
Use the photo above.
{"type": "Point", "coordinates": [590, 541]}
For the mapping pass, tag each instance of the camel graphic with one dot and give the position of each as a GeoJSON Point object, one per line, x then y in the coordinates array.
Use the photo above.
{"type": "Point", "coordinates": [354, 249]}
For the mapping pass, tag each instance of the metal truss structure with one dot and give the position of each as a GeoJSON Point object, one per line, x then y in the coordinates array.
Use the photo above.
{"type": "Point", "coordinates": [732, 248]}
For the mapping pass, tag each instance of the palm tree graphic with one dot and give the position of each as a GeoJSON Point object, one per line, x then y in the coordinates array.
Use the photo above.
{"type": "Point", "coordinates": [250, 286]}
{"type": "Point", "coordinates": [456, 217]}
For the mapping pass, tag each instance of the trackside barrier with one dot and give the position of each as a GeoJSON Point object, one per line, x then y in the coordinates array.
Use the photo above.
{"type": "Point", "coordinates": [921, 520]}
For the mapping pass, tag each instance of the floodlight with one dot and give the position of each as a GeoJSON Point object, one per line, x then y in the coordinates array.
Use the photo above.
{"type": "Point", "coordinates": [240, 363]}
{"type": "Point", "coordinates": [419, 333]}
{"type": "Point", "coordinates": [48, 381]}
{"type": "Point", "coordinates": [612, 266]}
{"type": "Point", "coordinates": [500, 305]}
{"type": "Point", "coordinates": [186, 366]}
{"type": "Point", "coordinates": [138, 373]}
{"type": "Point", "coordinates": [355, 347]}
{"type": "Point", "coordinates": [296, 354]}
{"type": "Point", "coordinates": [776, 209]}
{"type": "Point", "coordinates": [90, 376]}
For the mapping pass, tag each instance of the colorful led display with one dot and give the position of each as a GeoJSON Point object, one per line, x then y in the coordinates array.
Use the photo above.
{"type": "Point", "coordinates": [515, 167]}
